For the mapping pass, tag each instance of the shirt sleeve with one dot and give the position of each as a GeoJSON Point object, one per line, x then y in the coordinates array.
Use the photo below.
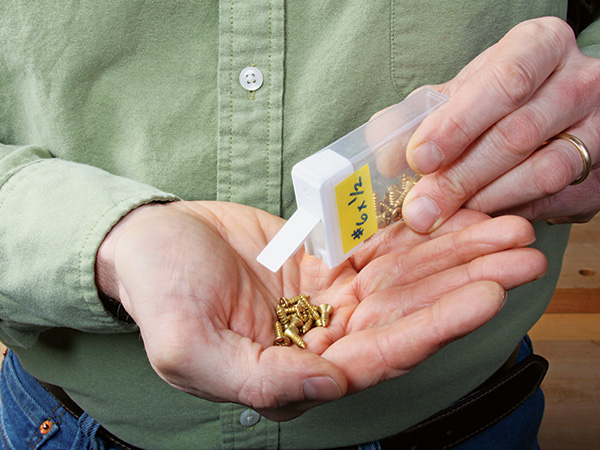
{"type": "Point", "coordinates": [54, 215]}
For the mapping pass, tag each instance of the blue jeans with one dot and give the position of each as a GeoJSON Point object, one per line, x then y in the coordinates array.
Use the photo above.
{"type": "Point", "coordinates": [31, 418]}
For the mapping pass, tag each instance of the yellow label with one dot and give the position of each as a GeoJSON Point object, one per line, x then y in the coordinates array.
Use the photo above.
{"type": "Point", "coordinates": [356, 211]}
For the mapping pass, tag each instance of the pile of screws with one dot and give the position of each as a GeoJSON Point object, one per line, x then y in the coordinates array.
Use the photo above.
{"type": "Point", "coordinates": [296, 316]}
{"type": "Point", "coordinates": [389, 209]}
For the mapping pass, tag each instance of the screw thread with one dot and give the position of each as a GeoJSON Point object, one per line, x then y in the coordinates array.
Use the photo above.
{"type": "Point", "coordinates": [293, 333]}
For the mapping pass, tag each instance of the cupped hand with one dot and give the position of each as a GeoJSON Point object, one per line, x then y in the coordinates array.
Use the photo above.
{"type": "Point", "coordinates": [187, 274]}
{"type": "Point", "coordinates": [490, 147]}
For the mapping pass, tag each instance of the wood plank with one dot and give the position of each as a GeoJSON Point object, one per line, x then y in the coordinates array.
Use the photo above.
{"type": "Point", "coordinates": [581, 264]}
{"type": "Point", "coordinates": [572, 390]}
{"type": "Point", "coordinates": [567, 327]}
{"type": "Point", "coordinates": [575, 300]}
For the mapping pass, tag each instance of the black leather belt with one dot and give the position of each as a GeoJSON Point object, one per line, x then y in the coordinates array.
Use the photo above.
{"type": "Point", "coordinates": [493, 400]}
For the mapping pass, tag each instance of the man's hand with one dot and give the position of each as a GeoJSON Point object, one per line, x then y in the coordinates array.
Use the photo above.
{"type": "Point", "coordinates": [187, 274]}
{"type": "Point", "coordinates": [485, 148]}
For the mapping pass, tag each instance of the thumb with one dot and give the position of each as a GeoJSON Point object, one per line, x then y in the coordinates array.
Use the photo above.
{"type": "Point", "coordinates": [287, 382]}
{"type": "Point", "coordinates": [279, 382]}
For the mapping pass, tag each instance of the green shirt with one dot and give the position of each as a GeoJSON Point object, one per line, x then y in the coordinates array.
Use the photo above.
{"type": "Point", "coordinates": [105, 106]}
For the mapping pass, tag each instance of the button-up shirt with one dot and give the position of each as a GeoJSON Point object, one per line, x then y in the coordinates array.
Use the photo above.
{"type": "Point", "coordinates": [108, 105]}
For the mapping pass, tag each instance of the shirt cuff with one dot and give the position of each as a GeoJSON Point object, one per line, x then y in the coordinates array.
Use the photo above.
{"type": "Point", "coordinates": [54, 214]}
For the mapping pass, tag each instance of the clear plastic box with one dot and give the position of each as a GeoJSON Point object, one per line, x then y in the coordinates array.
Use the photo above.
{"type": "Point", "coordinates": [353, 187]}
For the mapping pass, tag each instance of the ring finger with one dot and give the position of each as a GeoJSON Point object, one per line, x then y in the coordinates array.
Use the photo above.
{"type": "Point", "coordinates": [546, 172]}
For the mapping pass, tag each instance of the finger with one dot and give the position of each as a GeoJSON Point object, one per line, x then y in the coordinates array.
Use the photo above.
{"type": "Point", "coordinates": [501, 159]}
{"type": "Point", "coordinates": [447, 251]}
{"type": "Point", "coordinates": [575, 204]}
{"type": "Point", "coordinates": [548, 171]}
{"type": "Point", "coordinates": [512, 74]}
{"type": "Point", "coordinates": [509, 269]}
{"type": "Point", "coordinates": [499, 136]}
{"type": "Point", "coordinates": [399, 237]}
{"type": "Point", "coordinates": [374, 355]}
{"type": "Point", "coordinates": [388, 136]}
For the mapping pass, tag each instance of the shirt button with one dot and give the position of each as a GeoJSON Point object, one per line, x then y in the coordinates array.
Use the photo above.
{"type": "Point", "coordinates": [251, 78]}
{"type": "Point", "coordinates": [249, 417]}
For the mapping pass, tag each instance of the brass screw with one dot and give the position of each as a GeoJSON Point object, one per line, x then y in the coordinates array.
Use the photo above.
{"type": "Point", "coordinates": [386, 199]}
{"type": "Point", "coordinates": [395, 195]}
{"type": "Point", "coordinates": [307, 325]}
{"type": "Point", "coordinates": [297, 298]}
{"type": "Point", "coordinates": [289, 310]}
{"type": "Point", "coordinates": [389, 209]}
{"type": "Point", "coordinates": [377, 203]}
{"type": "Point", "coordinates": [281, 339]}
{"type": "Point", "coordinates": [293, 333]}
{"type": "Point", "coordinates": [295, 321]}
{"type": "Point", "coordinates": [296, 316]}
{"type": "Point", "coordinates": [383, 219]}
{"type": "Point", "coordinates": [281, 315]}
{"type": "Point", "coordinates": [409, 182]}
{"type": "Point", "coordinates": [301, 312]}
{"type": "Point", "coordinates": [310, 308]}
{"type": "Point", "coordinates": [325, 310]}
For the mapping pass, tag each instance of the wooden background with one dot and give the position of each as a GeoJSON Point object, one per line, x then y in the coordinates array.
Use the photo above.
{"type": "Point", "coordinates": [568, 335]}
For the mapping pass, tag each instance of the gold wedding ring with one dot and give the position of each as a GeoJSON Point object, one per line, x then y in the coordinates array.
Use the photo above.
{"type": "Point", "coordinates": [583, 150]}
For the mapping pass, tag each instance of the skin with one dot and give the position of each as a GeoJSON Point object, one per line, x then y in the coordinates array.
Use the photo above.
{"type": "Point", "coordinates": [187, 274]}
{"type": "Point", "coordinates": [485, 148]}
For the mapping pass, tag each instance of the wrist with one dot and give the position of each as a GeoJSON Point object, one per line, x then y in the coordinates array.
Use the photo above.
{"type": "Point", "coordinates": [107, 278]}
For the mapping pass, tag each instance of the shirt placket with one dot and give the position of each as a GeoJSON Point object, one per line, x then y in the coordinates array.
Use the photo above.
{"type": "Point", "coordinates": [250, 89]}
{"type": "Point", "coordinates": [250, 92]}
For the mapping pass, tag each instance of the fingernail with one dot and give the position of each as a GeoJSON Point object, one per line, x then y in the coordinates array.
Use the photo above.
{"type": "Point", "coordinates": [528, 242]}
{"type": "Point", "coordinates": [421, 214]}
{"type": "Point", "coordinates": [321, 388]}
{"type": "Point", "coordinates": [427, 158]}
{"type": "Point", "coordinates": [503, 302]}
{"type": "Point", "coordinates": [540, 276]}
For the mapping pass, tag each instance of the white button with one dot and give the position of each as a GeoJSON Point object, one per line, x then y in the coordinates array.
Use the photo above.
{"type": "Point", "coordinates": [251, 78]}
{"type": "Point", "coordinates": [249, 418]}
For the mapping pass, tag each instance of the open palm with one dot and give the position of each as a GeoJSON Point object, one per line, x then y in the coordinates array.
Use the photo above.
{"type": "Point", "coordinates": [187, 273]}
